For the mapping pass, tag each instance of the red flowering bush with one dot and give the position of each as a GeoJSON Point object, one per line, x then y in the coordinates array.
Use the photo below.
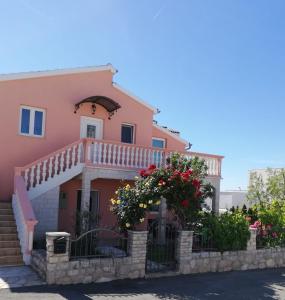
{"type": "Point", "coordinates": [180, 182]}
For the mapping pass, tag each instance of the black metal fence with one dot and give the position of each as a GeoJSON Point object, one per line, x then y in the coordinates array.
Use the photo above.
{"type": "Point", "coordinates": [161, 244]}
{"type": "Point", "coordinates": [202, 242]}
{"type": "Point", "coordinates": [99, 243]}
{"type": "Point", "coordinates": [270, 239]}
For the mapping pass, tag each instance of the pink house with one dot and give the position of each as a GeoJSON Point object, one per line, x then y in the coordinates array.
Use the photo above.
{"type": "Point", "coordinates": [69, 138]}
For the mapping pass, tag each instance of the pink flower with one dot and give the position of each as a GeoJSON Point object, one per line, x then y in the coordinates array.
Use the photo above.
{"type": "Point", "coordinates": [256, 224]}
{"type": "Point", "coordinates": [264, 232]}
{"type": "Point", "coordinates": [274, 235]}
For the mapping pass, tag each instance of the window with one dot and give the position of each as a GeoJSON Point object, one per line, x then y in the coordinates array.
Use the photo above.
{"type": "Point", "coordinates": [32, 121]}
{"type": "Point", "coordinates": [158, 143]}
{"type": "Point", "coordinates": [127, 134]}
{"type": "Point", "coordinates": [157, 155]}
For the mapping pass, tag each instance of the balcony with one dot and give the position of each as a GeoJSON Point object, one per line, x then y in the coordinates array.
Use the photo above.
{"type": "Point", "coordinates": [63, 164]}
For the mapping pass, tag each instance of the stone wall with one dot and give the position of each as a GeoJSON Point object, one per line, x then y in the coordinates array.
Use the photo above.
{"type": "Point", "coordinates": [235, 260]}
{"type": "Point", "coordinates": [39, 263]}
{"type": "Point", "coordinates": [46, 211]}
{"type": "Point", "coordinates": [61, 270]}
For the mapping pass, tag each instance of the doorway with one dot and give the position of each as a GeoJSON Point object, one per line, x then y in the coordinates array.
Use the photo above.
{"type": "Point", "coordinates": [91, 128]}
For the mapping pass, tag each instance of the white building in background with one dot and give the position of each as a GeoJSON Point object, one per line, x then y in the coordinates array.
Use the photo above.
{"type": "Point", "coordinates": [231, 198]}
{"type": "Point", "coordinates": [263, 173]}
{"type": "Point", "coordinates": [235, 198]}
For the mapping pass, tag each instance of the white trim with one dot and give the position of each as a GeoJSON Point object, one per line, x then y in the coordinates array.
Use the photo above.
{"type": "Point", "coordinates": [178, 138]}
{"type": "Point", "coordinates": [32, 121]}
{"type": "Point", "coordinates": [159, 139]}
{"type": "Point", "coordinates": [137, 99]}
{"type": "Point", "coordinates": [84, 121]}
{"type": "Point", "coordinates": [134, 133]}
{"type": "Point", "coordinates": [37, 74]}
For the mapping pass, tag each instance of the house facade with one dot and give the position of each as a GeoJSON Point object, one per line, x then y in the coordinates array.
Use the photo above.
{"type": "Point", "coordinates": [69, 139]}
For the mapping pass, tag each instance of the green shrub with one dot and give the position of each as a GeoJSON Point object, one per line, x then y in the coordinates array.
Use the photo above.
{"type": "Point", "coordinates": [229, 232]}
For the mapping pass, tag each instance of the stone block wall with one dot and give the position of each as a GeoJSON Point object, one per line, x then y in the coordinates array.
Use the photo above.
{"type": "Point", "coordinates": [205, 262]}
{"type": "Point", "coordinates": [61, 270]}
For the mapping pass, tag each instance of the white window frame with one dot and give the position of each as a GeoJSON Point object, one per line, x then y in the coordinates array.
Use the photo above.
{"type": "Point", "coordinates": [134, 133]}
{"type": "Point", "coordinates": [32, 121]}
{"type": "Point", "coordinates": [159, 139]}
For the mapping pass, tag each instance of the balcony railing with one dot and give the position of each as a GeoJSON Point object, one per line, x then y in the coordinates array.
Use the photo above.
{"type": "Point", "coordinates": [129, 156]}
{"type": "Point", "coordinates": [102, 153]}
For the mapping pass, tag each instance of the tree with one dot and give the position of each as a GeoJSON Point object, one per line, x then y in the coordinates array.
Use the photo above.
{"type": "Point", "coordinates": [181, 182]}
{"type": "Point", "coordinates": [265, 191]}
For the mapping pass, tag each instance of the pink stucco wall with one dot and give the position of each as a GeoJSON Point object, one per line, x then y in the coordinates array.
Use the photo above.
{"type": "Point", "coordinates": [58, 94]}
{"type": "Point", "coordinates": [171, 142]}
{"type": "Point", "coordinates": [106, 189]}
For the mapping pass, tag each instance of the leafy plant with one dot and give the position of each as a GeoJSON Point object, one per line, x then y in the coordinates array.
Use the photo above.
{"type": "Point", "coordinates": [229, 231]}
{"type": "Point", "coordinates": [181, 183]}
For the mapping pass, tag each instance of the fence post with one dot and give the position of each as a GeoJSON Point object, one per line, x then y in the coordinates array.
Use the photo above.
{"type": "Point", "coordinates": [52, 258]}
{"type": "Point", "coordinates": [251, 243]}
{"type": "Point", "coordinates": [184, 250]}
{"type": "Point", "coordinates": [137, 241]}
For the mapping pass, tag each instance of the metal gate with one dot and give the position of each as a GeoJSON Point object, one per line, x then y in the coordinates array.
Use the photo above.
{"type": "Point", "coordinates": [161, 243]}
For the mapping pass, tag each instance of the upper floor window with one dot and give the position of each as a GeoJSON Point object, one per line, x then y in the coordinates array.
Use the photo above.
{"type": "Point", "coordinates": [32, 121]}
{"type": "Point", "coordinates": [127, 133]}
{"type": "Point", "coordinates": [158, 143]}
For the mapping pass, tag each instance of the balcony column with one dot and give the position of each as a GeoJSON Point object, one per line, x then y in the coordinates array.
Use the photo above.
{"type": "Point", "coordinates": [85, 199]}
{"type": "Point", "coordinates": [216, 200]}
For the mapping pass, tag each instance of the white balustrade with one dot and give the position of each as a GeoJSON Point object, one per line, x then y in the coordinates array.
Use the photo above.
{"type": "Point", "coordinates": [105, 154]}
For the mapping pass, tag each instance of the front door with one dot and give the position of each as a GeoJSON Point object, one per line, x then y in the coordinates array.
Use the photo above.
{"type": "Point", "coordinates": [91, 128]}
{"type": "Point", "coordinates": [93, 215]}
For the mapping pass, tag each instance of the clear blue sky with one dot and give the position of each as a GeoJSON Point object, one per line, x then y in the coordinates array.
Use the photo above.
{"type": "Point", "coordinates": [214, 68]}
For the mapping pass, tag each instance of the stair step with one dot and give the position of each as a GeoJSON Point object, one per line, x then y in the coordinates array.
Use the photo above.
{"type": "Point", "coordinates": [5, 211]}
{"type": "Point", "coordinates": [7, 218]}
{"type": "Point", "coordinates": [5, 205]}
{"type": "Point", "coordinates": [8, 237]}
{"type": "Point", "coordinates": [9, 252]}
{"type": "Point", "coordinates": [7, 223]}
{"type": "Point", "coordinates": [9, 244]}
{"type": "Point", "coordinates": [11, 260]}
{"type": "Point", "coordinates": [7, 230]}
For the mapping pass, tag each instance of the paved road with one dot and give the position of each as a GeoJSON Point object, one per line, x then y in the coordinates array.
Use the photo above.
{"type": "Point", "coordinates": [265, 284]}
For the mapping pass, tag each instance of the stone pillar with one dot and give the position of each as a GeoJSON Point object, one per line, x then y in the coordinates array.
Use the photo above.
{"type": "Point", "coordinates": [184, 250]}
{"type": "Point", "coordinates": [162, 221]}
{"type": "Point", "coordinates": [137, 241]}
{"type": "Point", "coordinates": [51, 258]}
{"type": "Point", "coordinates": [251, 243]}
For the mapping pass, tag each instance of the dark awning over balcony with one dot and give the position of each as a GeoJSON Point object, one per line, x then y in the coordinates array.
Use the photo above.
{"type": "Point", "coordinates": [110, 105]}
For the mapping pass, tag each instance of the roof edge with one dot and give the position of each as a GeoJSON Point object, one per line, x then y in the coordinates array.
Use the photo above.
{"type": "Point", "coordinates": [57, 72]}
{"type": "Point", "coordinates": [180, 139]}
{"type": "Point", "coordinates": [136, 98]}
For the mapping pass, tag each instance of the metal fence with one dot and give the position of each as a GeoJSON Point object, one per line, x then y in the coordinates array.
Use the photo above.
{"type": "Point", "coordinates": [202, 242]}
{"type": "Point", "coordinates": [161, 244]}
{"type": "Point", "coordinates": [267, 239]}
{"type": "Point", "coordinates": [99, 243]}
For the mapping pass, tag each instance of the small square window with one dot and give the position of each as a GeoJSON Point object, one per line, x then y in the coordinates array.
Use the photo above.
{"type": "Point", "coordinates": [127, 134]}
{"type": "Point", "coordinates": [32, 121]}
